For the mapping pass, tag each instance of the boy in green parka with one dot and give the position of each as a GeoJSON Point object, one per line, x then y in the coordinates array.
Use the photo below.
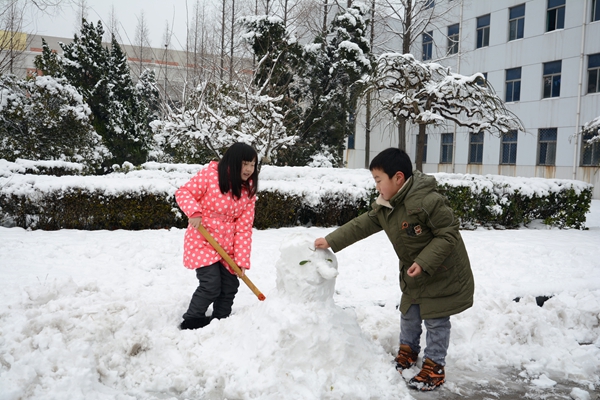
{"type": "Point", "coordinates": [435, 273]}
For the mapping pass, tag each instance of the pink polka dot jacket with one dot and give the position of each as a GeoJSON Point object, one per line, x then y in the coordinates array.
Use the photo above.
{"type": "Point", "coordinates": [229, 220]}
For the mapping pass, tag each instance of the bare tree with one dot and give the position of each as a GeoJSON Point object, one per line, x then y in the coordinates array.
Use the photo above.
{"type": "Point", "coordinates": [409, 20]}
{"type": "Point", "coordinates": [368, 116]}
{"type": "Point", "coordinates": [141, 42]}
{"type": "Point", "coordinates": [427, 93]}
{"type": "Point", "coordinates": [112, 27]}
{"type": "Point", "coordinates": [13, 41]}
{"type": "Point", "coordinates": [82, 7]}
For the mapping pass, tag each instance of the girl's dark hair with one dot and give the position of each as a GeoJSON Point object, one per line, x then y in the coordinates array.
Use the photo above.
{"type": "Point", "coordinates": [230, 170]}
{"type": "Point", "coordinates": [391, 161]}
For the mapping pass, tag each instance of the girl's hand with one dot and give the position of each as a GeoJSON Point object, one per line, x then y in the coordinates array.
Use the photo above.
{"type": "Point", "coordinates": [243, 271]}
{"type": "Point", "coordinates": [321, 243]}
{"type": "Point", "coordinates": [195, 222]}
{"type": "Point", "coordinates": [414, 270]}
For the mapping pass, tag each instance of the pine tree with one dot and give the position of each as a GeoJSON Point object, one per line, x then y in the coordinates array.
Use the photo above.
{"type": "Point", "coordinates": [102, 76]}
{"type": "Point", "coordinates": [330, 84]}
{"type": "Point", "coordinates": [84, 65]}
{"type": "Point", "coordinates": [49, 62]}
{"type": "Point", "coordinates": [147, 90]}
{"type": "Point", "coordinates": [128, 132]}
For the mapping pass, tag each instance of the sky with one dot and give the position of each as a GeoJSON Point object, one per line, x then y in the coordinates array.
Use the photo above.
{"type": "Point", "coordinates": [64, 22]}
{"type": "Point", "coordinates": [95, 314]}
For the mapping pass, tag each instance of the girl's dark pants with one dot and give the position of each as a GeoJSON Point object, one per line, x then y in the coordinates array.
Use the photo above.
{"type": "Point", "coordinates": [218, 287]}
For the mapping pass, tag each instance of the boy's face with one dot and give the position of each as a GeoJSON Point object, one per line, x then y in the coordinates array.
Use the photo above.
{"type": "Point", "coordinates": [387, 186]}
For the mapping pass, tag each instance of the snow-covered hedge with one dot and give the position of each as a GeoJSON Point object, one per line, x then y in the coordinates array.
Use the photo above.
{"type": "Point", "coordinates": [288, 196]}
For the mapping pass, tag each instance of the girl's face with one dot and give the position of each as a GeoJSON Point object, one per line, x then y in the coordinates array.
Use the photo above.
{"type": "Point", "coordinates": [248, 169]}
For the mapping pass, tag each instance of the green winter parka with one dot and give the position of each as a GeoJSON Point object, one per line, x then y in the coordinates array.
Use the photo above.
{"type": "Point", "coordinates": [422, 228]}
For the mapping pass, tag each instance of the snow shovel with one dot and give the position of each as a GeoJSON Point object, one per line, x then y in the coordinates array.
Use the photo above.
{"type": "Point", "coordinates": [230, 261]}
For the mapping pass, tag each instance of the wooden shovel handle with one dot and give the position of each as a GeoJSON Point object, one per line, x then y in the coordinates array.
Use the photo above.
{"type": "Point", "coordinates": [230, 261]}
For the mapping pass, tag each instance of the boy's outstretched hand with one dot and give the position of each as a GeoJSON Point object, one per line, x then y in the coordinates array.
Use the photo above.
{"type": "Point", "coordinates": [321, 243]}
{"type": "Point", "coordinates": [414, 270]}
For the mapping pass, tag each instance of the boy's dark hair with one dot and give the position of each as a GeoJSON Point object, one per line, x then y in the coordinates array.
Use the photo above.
{"type": "Point", "coordinates": [230, 170]}
{"type": "Point", "coordinates": [391, 161]}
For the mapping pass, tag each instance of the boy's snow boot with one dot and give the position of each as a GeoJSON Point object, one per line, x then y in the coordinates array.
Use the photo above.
{"type": "Point", "coordinates": [430, 377]}
{"type": "Point", "coordinates": [406, 357]}
{"type": "Point", "coordinates": [194, 323]}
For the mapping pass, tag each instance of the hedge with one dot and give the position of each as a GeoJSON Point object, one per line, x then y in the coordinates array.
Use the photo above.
{"type": "Point", "coordinates": [143, 198]}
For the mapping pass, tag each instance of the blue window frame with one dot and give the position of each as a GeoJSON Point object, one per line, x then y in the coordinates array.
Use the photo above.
{"type": "Point", "coordinates": [555, 17]}
{"type": "Point", "coordinates": [513, 85]}
{"type": "Point", "coordinates": [594, 73]}
{"type": "Point", "coordinates": [483, 31]}
{"type": "Point", "coordinates": [595, 10]}
{"type": "Point", "coordinates": [476, 148]}
{"type": "Point", "coordinates": [508, 148]}
{"type": "Point", "coordinates": [453, 32]}
{"type": "Point", "coordinates": [551, 79]}
{"type": "Point", "coordinates": [427, 45]}
{"type": "Point", "coordinates": [547, 146]}
{"type": "Point", "coordinates": [516, 22]}
{"type": "Point", "coordinates": [447, 148]}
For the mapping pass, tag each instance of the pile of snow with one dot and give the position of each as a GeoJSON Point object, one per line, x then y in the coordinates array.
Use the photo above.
{"type": "Point", "coordinates": [95, 315]}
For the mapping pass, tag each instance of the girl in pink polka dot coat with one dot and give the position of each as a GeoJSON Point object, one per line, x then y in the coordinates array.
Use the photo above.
{"type": "Point", "coordinates": [221, 197]}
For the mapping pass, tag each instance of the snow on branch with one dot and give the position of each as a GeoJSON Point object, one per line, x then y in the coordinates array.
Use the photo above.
{"type": "Point", "coordinates": [593, 128]}
{"type": "Point", "coordinates": [429, 93]}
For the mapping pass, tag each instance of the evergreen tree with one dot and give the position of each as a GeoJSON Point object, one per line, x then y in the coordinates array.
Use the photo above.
{"type": "Point", "coordinates": [45, 118]}
{"type": "Point", "coordinates": [49, 63]}
{"type": "Point", "coordinates": [102, 76]}
{"type": "Point", "coordinates": [147, 90]}
{"type": "Point", "coordinates": [330, 85]}
{"type": "Point", "coordinates": [128, 132]}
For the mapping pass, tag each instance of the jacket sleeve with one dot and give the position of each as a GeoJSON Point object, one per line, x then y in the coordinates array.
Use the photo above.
{"type": "Point", "coordinates": [242, 240]}
{"type": "Point", "coordinates": [445, 229]}
{"type": "Point", "coordinates": [351, 232]}
{"type": "Point", "coordinates": [190, 193]}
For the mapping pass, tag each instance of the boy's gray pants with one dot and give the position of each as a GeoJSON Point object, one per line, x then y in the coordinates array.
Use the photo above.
{"type": "Point", "coordinates": [437, 338]}
{"type": "Point", "coordinates": [218, 287]}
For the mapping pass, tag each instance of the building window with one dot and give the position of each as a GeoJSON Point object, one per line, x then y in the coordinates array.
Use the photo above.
{"type": "Point", "coordinates": [350, 142]}
{"type": "Point", "coordinates": [429, 4]}
{"type": "Point", "coordinates": [551, 79]}
{"type": "Point", "coordinates": [481, 82]}
{"type": "Point", "coordinates": [547, 146]}
{"type": "Point", "coordinates": [424, 149]}
{"type": "Point", "coordinates": [483, 31]}
{"type": "Point", "coordinates": [595, 10]}
{"type": "Point", "coordinates": [453, 38]}
{"type": "Point", "coordinates": [590, 153]}
{"type": "Point", "coordinates": [555, 17]}
{"type": "Point", "coordinates": [594, 73]}
{"type": "Point", "coordinates": [427, 45]}
{"type": "Point", "coordinates": [516, 22]}
{"type": "Point", "coordinates": [508, 148]}
{"type": "Point", "coordinates": [513, 84]}
{"type": "Point", "coordinates": [476, 148]}
{"type": "Point", "coordinates": [447, 148]}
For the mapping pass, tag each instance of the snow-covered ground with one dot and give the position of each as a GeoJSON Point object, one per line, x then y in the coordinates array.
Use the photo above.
{"type": "Point", "coordinates": [95, 315]}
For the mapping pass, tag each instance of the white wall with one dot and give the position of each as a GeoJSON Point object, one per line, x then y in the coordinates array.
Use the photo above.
{"type": "Point", "coordinates": [529, 53]}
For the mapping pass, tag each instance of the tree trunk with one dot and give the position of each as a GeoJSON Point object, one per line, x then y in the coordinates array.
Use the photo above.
{"type": "Point", "coordinates": [402, 133]}
{"type": "Point", "coordinates": [231, 44]}
{"type": "Point", "coordinates": [222, 41]}
{"type": "Point", "coordinates": [368, 131]}
{"type": "Point", "coordinates": [420, 146]}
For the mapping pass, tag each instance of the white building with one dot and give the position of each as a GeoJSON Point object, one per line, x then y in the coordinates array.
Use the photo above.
{"type": "Point", "coordinates": [543, 58]}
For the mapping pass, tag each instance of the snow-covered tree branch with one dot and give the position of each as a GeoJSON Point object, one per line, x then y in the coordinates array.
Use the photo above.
{"type": "Point", "coordinates": [428, 93]}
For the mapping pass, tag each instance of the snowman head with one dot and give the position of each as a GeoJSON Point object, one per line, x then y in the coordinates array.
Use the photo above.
{"type": "Point", "coordinates": [303, 273]}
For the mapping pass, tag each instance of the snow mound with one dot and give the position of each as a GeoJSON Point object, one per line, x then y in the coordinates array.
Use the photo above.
{"type": "Point", "coordinates": [301, 344]}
